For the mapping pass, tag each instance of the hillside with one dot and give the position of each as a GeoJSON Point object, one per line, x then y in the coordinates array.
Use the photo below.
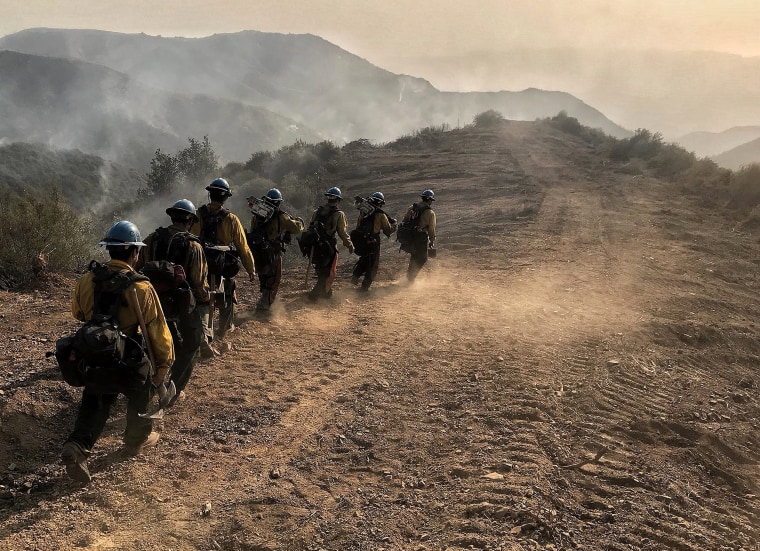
{"type": "Point", "coordinates": [69, 104]}
{"type": "Point", "coordinates": [302, 77]}
{"type": "Point", "coordinates": [706, 144]}
{"type": "Point", "coordinates": [86, 182]}
{"type": "Point", "coordinates": [577, 369]}
{"type": "Point", "coordinates": [739, 156]}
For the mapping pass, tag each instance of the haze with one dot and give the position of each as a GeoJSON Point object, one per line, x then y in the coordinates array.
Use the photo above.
{"type": "Point", "coordinates": [399, 35]}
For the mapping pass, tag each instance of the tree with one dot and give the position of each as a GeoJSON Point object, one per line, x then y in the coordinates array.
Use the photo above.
{"type": "Point", "coordinates": [164, 172]}
{"type": "Point", "coordinates": [198, 161]}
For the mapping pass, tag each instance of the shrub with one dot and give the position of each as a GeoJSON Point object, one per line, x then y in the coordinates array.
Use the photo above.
{"type": "Point", "coordinates": [488, 119]}
{"type": "Point", "coordinates": [42, 222]}
{"type": "Point", "coordinates": [745, 189]}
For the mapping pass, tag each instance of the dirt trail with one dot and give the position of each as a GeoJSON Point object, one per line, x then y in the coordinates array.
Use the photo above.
{"type": "Point", "coordinates": [576, 370]}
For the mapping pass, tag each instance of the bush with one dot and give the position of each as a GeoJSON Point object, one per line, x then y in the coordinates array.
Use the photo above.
{"type": "Point", "coordinates": [745, 189]}
{"type": "Point", "coordinates": [429, 136]}
{"type": "Point", "coordinates": [488, 119]}
{"type": "Point", "coordinates": [570, 125]}
{"type": "Point", "coordinates": [42, 222]}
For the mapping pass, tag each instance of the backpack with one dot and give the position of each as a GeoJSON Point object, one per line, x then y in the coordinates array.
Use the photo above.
{"type": "Point", "coordinates": [408, 234]}
{"type": "Point", "coordinates": [362, 237]}
{"type": "Point", "coordinates": [99, 355]}
{"type": "Point", "coordinates": [167, 273]}
{"type": "Point", "coordinates": [314, 241]}
{"type": "Point", "coordinates": [222, 261]}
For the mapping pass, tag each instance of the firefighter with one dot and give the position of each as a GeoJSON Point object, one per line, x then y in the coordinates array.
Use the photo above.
{"type": "Point", "coordinates": [181, 305]}
{"type": "Point", "coordinates": [122, 241]}
{"type": "Point", "coordinates": [271, 230]}
{"type": "Point", "coordinates": [224, 242]}
{"type": "Point", "coordinates": [366, 238]}
{"type": "Point", "coordinates": [328, 220]}
{"type": "Point", "coordinates": [420, 218]}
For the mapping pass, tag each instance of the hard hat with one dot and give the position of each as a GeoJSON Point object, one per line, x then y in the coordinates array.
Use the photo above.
{"type": "Point", "coordinates": [273, 196]}
{"type": "Point", "coordinates": [220, 184]}
{"type": "Point", "coordinates": [428, 194]}
{"type": "Point", "coordinates": [183, 206]}
{"type": "Point", "coordinates": [334, 192]}
{"type": "Point", "coordinates": [377, 199]}
{"type": "Point", "coordinates": [123, 233]}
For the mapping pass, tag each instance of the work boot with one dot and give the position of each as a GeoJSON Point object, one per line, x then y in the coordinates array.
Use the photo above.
{"type": "Point", "coordinates": [76, 462]}
{"type": "Point", "coordinates": [355, 280]}
{"type": "Point", "coordinates": [206, 350]}
{"type": "Point", "coordinates": [149, 442]}
{"type": "Point", "coordinates": [263, 303]}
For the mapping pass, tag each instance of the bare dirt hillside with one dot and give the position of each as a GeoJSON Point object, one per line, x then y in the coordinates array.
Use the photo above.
{"type": "Point", "coordinates": [576, 370]}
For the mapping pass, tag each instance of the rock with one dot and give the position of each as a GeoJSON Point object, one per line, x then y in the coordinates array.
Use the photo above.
{"type": "Point", "coordinates": [206, 509]}
{"type": "Point", "coordinates": [613, 363]}
{"type": "Point", "coordinates": [493, 476]}
{"type": "Point", "coordinates": [274, 474]}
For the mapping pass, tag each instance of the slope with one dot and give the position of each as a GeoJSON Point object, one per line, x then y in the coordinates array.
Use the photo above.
{"type": "Point", "coordinates": [69, 104]}
{"type": "Point", "coordinates": [705, 144]}
{"type": "Point", "coordinates": [576, 369]}
{"type": "Point", "coordinates": [739, 156]}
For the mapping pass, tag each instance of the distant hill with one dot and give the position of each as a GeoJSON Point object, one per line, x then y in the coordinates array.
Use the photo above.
{"type": "Point", "coordinates": [86, 182]}
{"type": "Point", "coordinates": [739, 156]}
{"type": "Point", "coordinates": [705, 144]}
{"type": "Point", "coordinates": [302, 77]}
{"type": "Point", "coordinates": [673, 92]}
{"type": "Point", "coordinates": [71, 104]}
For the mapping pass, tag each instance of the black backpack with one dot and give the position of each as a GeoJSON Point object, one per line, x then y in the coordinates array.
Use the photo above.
{"type": "Point", "coordinates": [408, 234]}
{"type": "Point", "coordinates": [167, 273]}
{"type": "Point", "coordinates": [222, 261]}
{"type": "Point", "coordinates": [362, 237]}
{"type": "Point", "coordinates": [99, 355]}
{"type": "Point", "coordinates": [314, 241]}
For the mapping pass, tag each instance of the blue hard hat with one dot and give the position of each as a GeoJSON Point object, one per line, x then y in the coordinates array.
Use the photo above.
{"type": "Point", "coordinates": [377, 199]}
{"type": "Point", "coordinates": [334, 192]}
{"type": "Point", "coordinates": [273, 195]}
{"type": "Point", "coordinates": [123, 233]}
{"type": "Point", "coordinates": [183, 206]}
{"type": "Point", "coordinates": [220, 184]}
{"type": "Point", "coordinates": [428, 194]}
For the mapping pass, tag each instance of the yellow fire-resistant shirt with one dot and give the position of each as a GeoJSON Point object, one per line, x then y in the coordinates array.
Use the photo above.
{"type": "Point", "coordinates": [335, 223]}
{"type": "Point", "coordinates": [196, 268]}
{"type": "Point", "coordinates": [230, 231]}
{"type": "Point", "coordinates": [83, 300]}
{"type": "Point", "coordinates": [379, 224]}
{"type": "Point", "coordinates": [279, 223]}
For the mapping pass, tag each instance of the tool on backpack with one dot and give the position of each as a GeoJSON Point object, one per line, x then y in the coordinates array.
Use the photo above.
{"type": "Point", "coordinates": [166, 391]}
{"type": "Point", "coordinates": [308, 267]}
{"type": "Point", "coordinates": [212, 303]}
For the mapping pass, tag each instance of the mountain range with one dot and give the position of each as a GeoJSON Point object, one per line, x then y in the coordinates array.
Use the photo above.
{"type": "Point", "coordinates": [672, 92]}
{"type": "Point", "coordinates": [248, 91]}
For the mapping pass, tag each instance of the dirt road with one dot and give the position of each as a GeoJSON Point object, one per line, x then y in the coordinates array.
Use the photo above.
{"type": "Point", "coordinates": [576, 370]}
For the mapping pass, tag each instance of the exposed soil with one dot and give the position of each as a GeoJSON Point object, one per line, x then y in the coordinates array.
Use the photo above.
{"type": "Point", "coordinates": [575, 370]}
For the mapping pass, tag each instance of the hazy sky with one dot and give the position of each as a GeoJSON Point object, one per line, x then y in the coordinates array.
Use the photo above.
{"type": "Point", "coordinates": [387, 31]}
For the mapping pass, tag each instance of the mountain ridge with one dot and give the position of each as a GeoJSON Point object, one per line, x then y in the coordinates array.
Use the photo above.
{"type": "Point", "coordinates": [73, 104]}
{"type": "Point", "coordinates": [303, 77]}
